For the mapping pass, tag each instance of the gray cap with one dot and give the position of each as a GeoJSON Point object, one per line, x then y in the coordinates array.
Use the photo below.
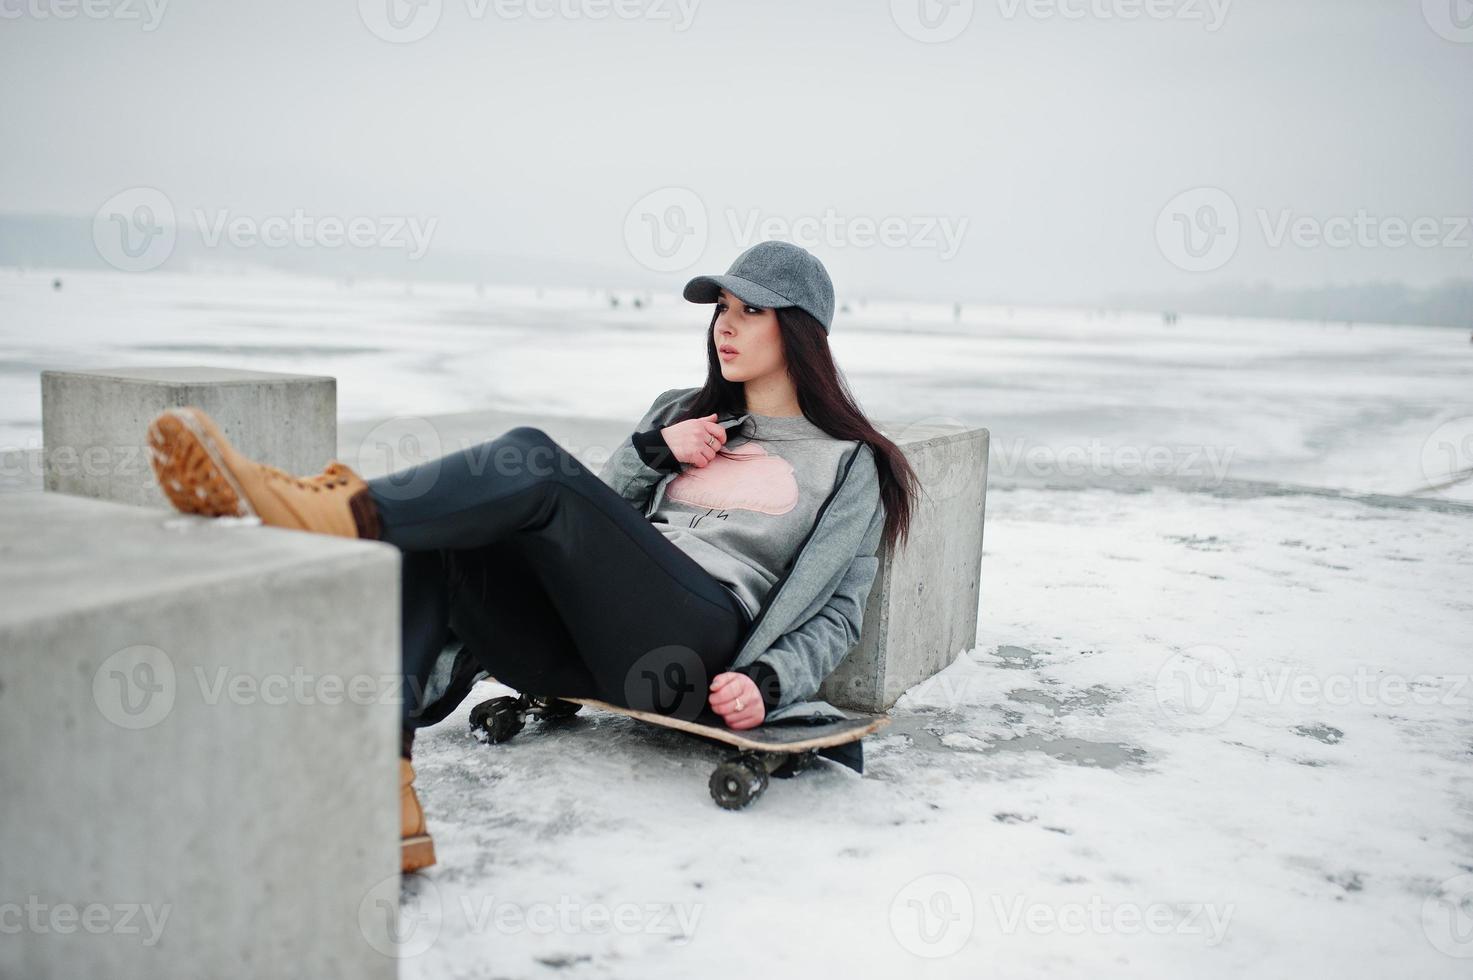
{"type": "Point", "coordinates": [771, 275]}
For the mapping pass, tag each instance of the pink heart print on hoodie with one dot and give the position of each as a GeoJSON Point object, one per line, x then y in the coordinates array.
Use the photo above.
{"type": "Point", "coordinates": [743, 515]}
{"type": "Point", "coordinates": [745, 478]}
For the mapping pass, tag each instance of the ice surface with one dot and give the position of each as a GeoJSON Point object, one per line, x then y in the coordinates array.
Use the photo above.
{"type": "Point", "coordinates": [1267, 846]}
{"type": "Point", "coordinates": [1207, 730]}
{"type": "Point", "coordinates": [1065, 392]}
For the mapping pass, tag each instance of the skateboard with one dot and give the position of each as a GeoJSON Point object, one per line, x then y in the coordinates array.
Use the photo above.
{"type": "Point", "coordinates": [781, 749]}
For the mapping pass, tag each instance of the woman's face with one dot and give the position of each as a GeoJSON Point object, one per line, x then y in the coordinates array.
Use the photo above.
{"type": "Point", "coordinates": [748, 342]}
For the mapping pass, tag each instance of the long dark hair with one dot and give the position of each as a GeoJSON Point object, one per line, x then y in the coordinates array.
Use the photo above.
{"type": "Point", "coordinates": [825, 400]}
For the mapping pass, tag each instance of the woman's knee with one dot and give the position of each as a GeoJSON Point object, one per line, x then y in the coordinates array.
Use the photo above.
{"type": "Point", "coordinates": [528, 435]}
{"type": "Point", "coordinates": [527, 450]}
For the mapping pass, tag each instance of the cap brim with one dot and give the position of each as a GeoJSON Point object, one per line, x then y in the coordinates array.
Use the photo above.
{"type": "Point", "coordinates": [707, 289]}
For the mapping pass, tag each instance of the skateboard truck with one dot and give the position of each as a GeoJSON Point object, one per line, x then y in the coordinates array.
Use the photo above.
{"type": "Point", "coordinates": [501, 718]}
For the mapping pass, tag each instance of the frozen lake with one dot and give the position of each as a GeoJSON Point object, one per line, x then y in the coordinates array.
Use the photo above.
{"type": "Point", "coordinates": [1068, 394]}
{"type": "Point", "coordinates": [1214, 725]}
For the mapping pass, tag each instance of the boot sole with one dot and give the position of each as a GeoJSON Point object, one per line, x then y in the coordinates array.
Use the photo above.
{"type": "Point", "coordinates": [191, 469]}
{"type": "Point", "coordinates": [416, 852]}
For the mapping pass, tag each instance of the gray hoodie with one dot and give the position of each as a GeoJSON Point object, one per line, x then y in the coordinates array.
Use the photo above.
{"type": "Point", "coordinates": [742, 515]}
{"type": "Point", "coordinates": [811, 616]}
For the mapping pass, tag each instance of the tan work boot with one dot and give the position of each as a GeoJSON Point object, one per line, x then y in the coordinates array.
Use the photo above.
{"type": "Point", "coordinates": [201, 473]}
{"type": "Point", "coordinates": [416, 850]}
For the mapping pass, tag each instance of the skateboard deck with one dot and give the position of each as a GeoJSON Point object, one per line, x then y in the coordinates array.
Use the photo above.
{"type": "Point", "coordinates": [796, 736]}
{"type": "Point", "coordinates": [781, 748]}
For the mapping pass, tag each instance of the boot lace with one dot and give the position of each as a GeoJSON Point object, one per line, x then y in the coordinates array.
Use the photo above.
{"type": "Point", "coordinates": [334, 475]}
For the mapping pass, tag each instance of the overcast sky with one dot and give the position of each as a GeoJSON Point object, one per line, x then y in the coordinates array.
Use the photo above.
{"type": "Point", "coordinates": [1031, 156]}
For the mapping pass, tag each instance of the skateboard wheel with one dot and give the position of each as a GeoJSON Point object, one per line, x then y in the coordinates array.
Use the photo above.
{"type": "Point", "coordinates": [737, 782]}
{"type": "Point", "coordinates": [499, 718]}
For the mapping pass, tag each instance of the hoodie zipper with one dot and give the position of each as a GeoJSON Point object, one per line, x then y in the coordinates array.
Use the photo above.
{"type": "Point", "coordinates": [772, 593]}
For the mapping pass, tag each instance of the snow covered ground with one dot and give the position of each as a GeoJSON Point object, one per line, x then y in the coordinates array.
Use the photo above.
{"type": "Point", "coordinates": [1210, 727]}
{"type": "Point", "coordinates": [1198, 736]}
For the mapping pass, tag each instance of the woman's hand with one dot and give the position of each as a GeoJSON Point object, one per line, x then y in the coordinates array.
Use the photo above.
{"type": "Point", "coordinates": [695, 441]}
{"type": "Point", "coordinates": [735, 698]}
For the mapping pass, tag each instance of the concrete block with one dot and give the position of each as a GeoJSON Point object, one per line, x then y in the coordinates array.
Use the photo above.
{"type": "Point", "coordinates": [922, 609]}
{"type": "Point", "coordinates": [94, 423]}
{"type": "Point", "coordinates": [198, 741]}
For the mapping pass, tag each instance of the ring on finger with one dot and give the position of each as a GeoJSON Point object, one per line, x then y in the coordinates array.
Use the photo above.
{"type": "Point", "coordinates": [738, 704]}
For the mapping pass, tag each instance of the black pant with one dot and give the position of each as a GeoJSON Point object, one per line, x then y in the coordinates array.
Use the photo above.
{"type": "Point", "coordinates": [556, 584]}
